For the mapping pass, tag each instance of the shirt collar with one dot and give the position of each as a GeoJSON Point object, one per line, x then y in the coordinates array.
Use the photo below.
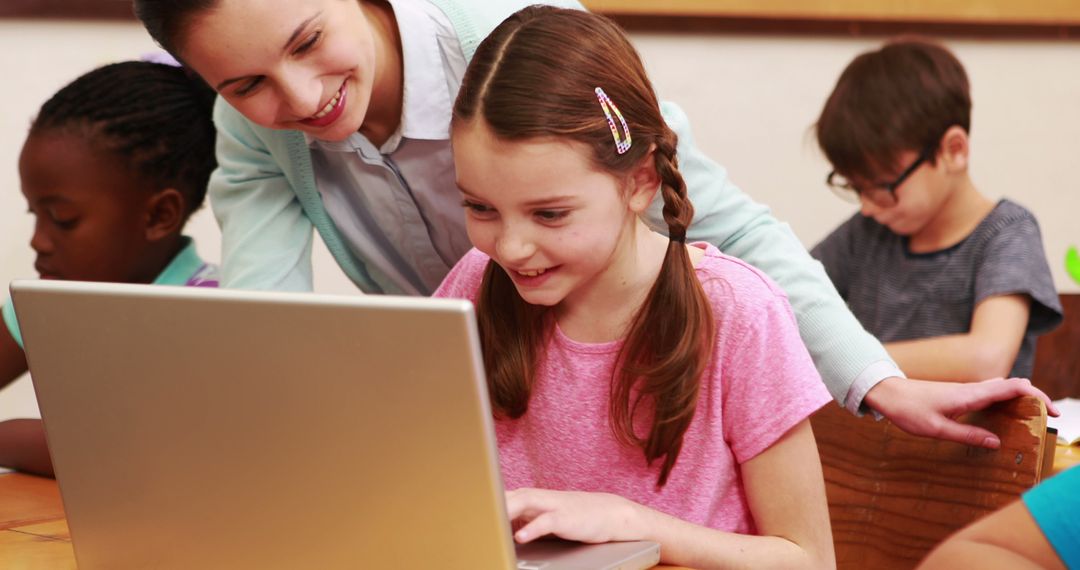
{"type": "Point", "coordinates": [182, 267]}
{"type": "Point", "coordinates": [427, 107]}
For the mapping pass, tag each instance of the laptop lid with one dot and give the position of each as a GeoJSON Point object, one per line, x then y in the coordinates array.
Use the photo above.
{"type": "Point", "coordinates": [202, 428]}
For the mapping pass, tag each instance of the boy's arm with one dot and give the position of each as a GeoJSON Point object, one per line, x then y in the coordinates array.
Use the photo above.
{"type": "Point", "coordinates": [987, 350]}
{"type": "Point", "coordinates": [1014, 295]}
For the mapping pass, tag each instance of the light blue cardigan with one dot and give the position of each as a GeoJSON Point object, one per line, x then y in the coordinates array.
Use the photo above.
{"type": "Point", "coordinates": [266, 201]}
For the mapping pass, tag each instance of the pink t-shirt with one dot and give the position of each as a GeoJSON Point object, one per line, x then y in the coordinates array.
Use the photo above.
{"type": "Point", "coordinates": [759, 384]}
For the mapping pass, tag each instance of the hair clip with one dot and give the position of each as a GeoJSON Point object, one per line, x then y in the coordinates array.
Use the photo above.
{"type": "Point", "coordinates": [621, 144]}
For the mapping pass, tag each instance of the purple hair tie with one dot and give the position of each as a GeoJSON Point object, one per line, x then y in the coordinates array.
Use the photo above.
{"type": "Point", "coordinates": [162, 57]}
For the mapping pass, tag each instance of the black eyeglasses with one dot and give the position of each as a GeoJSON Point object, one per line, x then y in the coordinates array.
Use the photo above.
{"type": "Point", "coordinates": [880, 193]}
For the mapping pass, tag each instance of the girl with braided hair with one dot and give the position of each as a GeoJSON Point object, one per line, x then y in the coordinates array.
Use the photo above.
{"type": "Point", "coordinates": [114, 165]}
{"type": "Point", "coordinates": [644, 388]}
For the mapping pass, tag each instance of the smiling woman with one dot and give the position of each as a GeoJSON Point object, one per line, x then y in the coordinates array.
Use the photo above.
{"type": "Point", "coordinates": [310, 65]}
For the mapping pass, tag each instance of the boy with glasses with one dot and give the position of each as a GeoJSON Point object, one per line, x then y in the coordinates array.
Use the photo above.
{"type": "Point", "coordinates": [954, 284]}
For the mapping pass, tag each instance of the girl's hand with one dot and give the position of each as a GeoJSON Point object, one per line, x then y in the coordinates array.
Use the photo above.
{"type": "Point", "coordinates": [584, 517]}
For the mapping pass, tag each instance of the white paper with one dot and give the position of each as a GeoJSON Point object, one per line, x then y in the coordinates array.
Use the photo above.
{"type": "Point", "coordinates": [1068, 423]}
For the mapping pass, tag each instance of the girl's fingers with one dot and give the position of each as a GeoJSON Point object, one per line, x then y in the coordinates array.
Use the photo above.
{"type": "Point", "coordinates": [542, 525]}
{"type": "Point", "coordinates": [528, 503]}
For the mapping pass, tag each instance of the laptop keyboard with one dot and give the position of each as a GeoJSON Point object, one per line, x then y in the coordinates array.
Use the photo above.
{"type": "Point", "coordinates": [531, 565]}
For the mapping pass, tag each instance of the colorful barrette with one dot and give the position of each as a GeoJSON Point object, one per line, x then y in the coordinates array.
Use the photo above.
{"type": "Point", "coordinates": [622, 144]}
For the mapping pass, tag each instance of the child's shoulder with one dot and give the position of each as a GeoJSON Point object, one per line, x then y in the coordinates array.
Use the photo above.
{"type": "Point", "coordinates": [1007, 213]}
{"type": "Point", "coordinates": [1007, 222]}
{"type": "Point", "coordinates": [464, 279]}
{"type": "Point", "coordinates": [735, 282]}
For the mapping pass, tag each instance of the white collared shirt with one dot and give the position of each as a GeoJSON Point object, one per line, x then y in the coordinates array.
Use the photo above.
{"type": "Point", "coordinates": [397, 206]}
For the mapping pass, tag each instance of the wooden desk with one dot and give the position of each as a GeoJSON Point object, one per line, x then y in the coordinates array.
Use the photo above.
{"type": "Point", "coordinates": [34, 534]}
{"type": "Point", "coordinates": [1065, 456]}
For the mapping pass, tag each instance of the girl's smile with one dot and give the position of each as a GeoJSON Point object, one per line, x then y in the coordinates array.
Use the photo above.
{"type": "Point", "coordinates": [532, 278]}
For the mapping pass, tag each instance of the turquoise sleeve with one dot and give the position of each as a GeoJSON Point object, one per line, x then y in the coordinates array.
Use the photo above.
{"type": "Point", "coordinates": [726, 217]}
{"type": "Point", "coordinates": [1053, 504]}
{"type": "Point", "coordinates": [266, 238]}
{"type": "Point", "coordinates": [12, 324]}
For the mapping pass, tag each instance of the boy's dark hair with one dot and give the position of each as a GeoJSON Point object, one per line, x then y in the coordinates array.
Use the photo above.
{"type": "Point", "coordinates": [154, 116]}
{"type": "Point", "coordinates": [901, 97]}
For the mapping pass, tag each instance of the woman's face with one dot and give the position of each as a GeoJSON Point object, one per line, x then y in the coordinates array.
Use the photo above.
{"type": "Point", "coordinates": [307, 65]}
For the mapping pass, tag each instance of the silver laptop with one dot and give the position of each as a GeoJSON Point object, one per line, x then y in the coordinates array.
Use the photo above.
{"type": "Point", "coordinates": [199, 428]}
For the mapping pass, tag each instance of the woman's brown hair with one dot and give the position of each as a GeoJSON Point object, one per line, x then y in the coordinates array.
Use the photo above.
{"type": "Point", "coordinates": [535, 76]}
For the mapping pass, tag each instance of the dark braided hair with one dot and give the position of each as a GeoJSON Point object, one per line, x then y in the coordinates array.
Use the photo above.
{"type": "Point", "coordinates": [154, 116]}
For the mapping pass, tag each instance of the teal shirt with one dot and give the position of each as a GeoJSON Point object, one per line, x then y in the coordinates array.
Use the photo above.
{"type": "Point", "coordinates": [187, 268]}
{"type": "Point", "coordinates": [1054, 504]}
{"type": "Point", "coordinates": [265, 198]}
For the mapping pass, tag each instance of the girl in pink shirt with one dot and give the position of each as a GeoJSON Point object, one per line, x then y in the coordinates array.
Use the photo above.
{"type": "Point", "coordinates": [645, 388]}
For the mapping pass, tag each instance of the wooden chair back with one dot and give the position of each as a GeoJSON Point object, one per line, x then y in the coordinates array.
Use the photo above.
{"type": "Point", "coordinates": [894, 496]}
{"type": "Point", "coordinates": [1057, 358]}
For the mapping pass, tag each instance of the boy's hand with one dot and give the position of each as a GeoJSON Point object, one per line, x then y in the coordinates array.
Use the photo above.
{"type": "Point", "coordinates": [584, 517]}
{"type": "Point", "coordinates": [926, 408]}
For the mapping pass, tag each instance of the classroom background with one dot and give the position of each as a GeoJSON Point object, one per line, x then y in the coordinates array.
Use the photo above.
{"type": "Point", "coordinates": [752, 99]}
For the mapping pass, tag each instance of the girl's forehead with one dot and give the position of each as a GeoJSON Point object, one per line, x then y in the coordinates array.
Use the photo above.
{"type": "Point", "coordinates": [526, 170]}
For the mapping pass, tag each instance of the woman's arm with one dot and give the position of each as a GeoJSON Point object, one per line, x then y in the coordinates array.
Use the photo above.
{"type": "Point", "coordinates": [784, 488]}
{"type": "Point", "coordinates": [265, 236]}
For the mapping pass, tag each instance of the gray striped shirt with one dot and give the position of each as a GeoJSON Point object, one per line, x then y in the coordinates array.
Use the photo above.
{"type": "Point", "coordinates": [899, 295]}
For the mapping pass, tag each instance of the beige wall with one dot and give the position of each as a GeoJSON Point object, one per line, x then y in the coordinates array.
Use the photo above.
{"type": "Point", "coordinates": [751, 99]}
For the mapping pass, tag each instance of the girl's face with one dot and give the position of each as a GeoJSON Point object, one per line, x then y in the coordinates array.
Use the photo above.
{"type": "Point", "coordinates": [307, 65]}
{"type": "Point", "coordinates": [90, 212]}
{"type": "Point", "coordinates": [543, 212]}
